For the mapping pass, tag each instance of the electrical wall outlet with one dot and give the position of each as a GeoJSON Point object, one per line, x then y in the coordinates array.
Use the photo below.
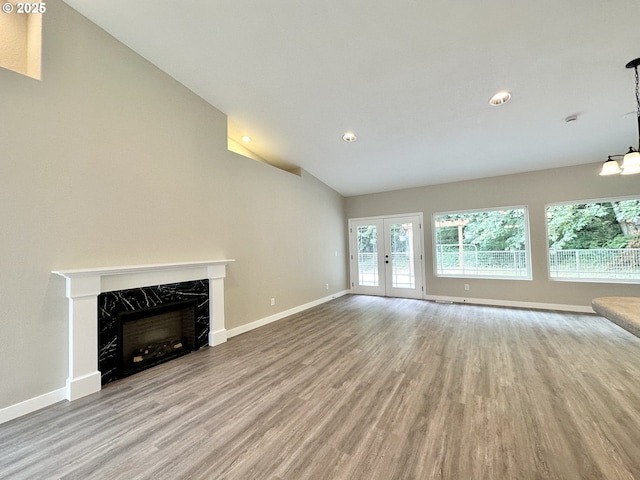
{"type": "Point", "coordinates": [273, 302]}
{"type": "Point", "coordinates": [327, 286]}
{"type": "Point", "coordinates": [466, 286]}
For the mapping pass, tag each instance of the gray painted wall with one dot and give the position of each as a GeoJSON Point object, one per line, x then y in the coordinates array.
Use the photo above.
{"type": "Point", "coordinates": [534, 189]}
{"type": "Point", "coordinates": [108, 161]}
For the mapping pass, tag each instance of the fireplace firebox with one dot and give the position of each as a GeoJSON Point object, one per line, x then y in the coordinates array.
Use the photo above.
{"type": "Point", "coordinates": [154, 335]}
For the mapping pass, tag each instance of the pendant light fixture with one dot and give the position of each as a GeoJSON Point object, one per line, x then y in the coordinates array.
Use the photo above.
{"type": "Point", "coordinates": [631, 160]}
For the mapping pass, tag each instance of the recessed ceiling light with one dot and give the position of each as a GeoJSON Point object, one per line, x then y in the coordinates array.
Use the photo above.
{"type": "Point", "coordinates": [500, 98]}
{"type": "Point", "coordinates": [246, 139]}
{"type": "Point", "coordinates": [349, 137]}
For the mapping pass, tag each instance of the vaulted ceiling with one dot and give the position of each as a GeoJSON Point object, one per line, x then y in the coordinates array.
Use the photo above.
{"type": "Point", "coordinates": [411, 78]}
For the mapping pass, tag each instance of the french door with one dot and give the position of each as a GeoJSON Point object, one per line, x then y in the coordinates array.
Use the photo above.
{"type": "Point", "coordinates": [386, 256]}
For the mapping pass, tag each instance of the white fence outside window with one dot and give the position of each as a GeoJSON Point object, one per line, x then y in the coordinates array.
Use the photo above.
{"type": "Point", "coordinates": [471, 261]}
{"type": "Point", "coordinates": [605, 264]}
{"type": "Point", "coordinates": [601, 263]}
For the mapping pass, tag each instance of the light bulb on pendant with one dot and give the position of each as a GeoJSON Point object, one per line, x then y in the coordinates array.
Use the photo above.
{"type": "Point", "coordinates": [631, 159]}
{"type": "Point", "coordinates": [610, 167]}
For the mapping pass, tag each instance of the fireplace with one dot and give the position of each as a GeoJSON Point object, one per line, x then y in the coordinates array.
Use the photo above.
{"type": "Point", "coordinates": [84, 286]}
{"type": "Point", "coordinates": [145, 318]}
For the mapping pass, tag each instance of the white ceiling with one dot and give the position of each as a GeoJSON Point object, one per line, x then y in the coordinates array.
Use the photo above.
{"type": "Point", "coordinates": [411, 78]}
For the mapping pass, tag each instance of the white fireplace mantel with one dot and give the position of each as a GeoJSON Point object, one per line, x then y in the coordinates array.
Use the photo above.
{"type": "Point", "coordinates": [83, 287]}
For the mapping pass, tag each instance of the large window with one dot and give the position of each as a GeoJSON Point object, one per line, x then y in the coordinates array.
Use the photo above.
{"type": "Point", "coordinates": [483, 243]}
{"type": "Point", "coordinates": [595, 241]}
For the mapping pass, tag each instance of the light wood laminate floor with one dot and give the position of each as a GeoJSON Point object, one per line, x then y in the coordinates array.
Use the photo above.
{"type": "Point", "coordinates": [361, 388]}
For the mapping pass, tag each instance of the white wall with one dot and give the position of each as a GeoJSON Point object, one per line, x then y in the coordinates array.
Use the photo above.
{"type": "Point", "coordinates": [108, 161]}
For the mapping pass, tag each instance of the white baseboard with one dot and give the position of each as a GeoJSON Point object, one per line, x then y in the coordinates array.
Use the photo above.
{"type": "Point", "coordinates": [79, 387]}
{"type": "Point", "coordinates": [217, 337]}
{"type": "Point", "coordinates": [510, 303]}
{"type": "Point", "coordinates": [279, 316]}
{"type": "Point", "coordinates": [31, 405]}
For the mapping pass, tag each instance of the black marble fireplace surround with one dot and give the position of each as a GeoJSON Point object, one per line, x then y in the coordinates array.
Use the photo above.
{"type": "Point", "coordinates": [112, 306]}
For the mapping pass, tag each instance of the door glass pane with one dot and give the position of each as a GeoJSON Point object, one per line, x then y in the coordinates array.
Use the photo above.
{"type": "Point", "coordinates": [368, 256]}
{"type": "Point", "coordinates": [402, 262]}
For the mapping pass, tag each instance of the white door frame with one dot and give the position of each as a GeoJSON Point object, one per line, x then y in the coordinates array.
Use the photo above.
{"type": "Point", "coordinates": [383, 289]}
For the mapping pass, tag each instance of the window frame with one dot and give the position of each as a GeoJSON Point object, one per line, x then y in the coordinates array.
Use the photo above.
{"type": "Point", "coordinates": [527, 242]}
{"type": "Point", "coordinates": [548, 248]}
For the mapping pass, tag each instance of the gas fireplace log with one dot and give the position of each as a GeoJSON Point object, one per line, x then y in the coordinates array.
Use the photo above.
{"type": "Point", "coordinates": [157, 350]}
